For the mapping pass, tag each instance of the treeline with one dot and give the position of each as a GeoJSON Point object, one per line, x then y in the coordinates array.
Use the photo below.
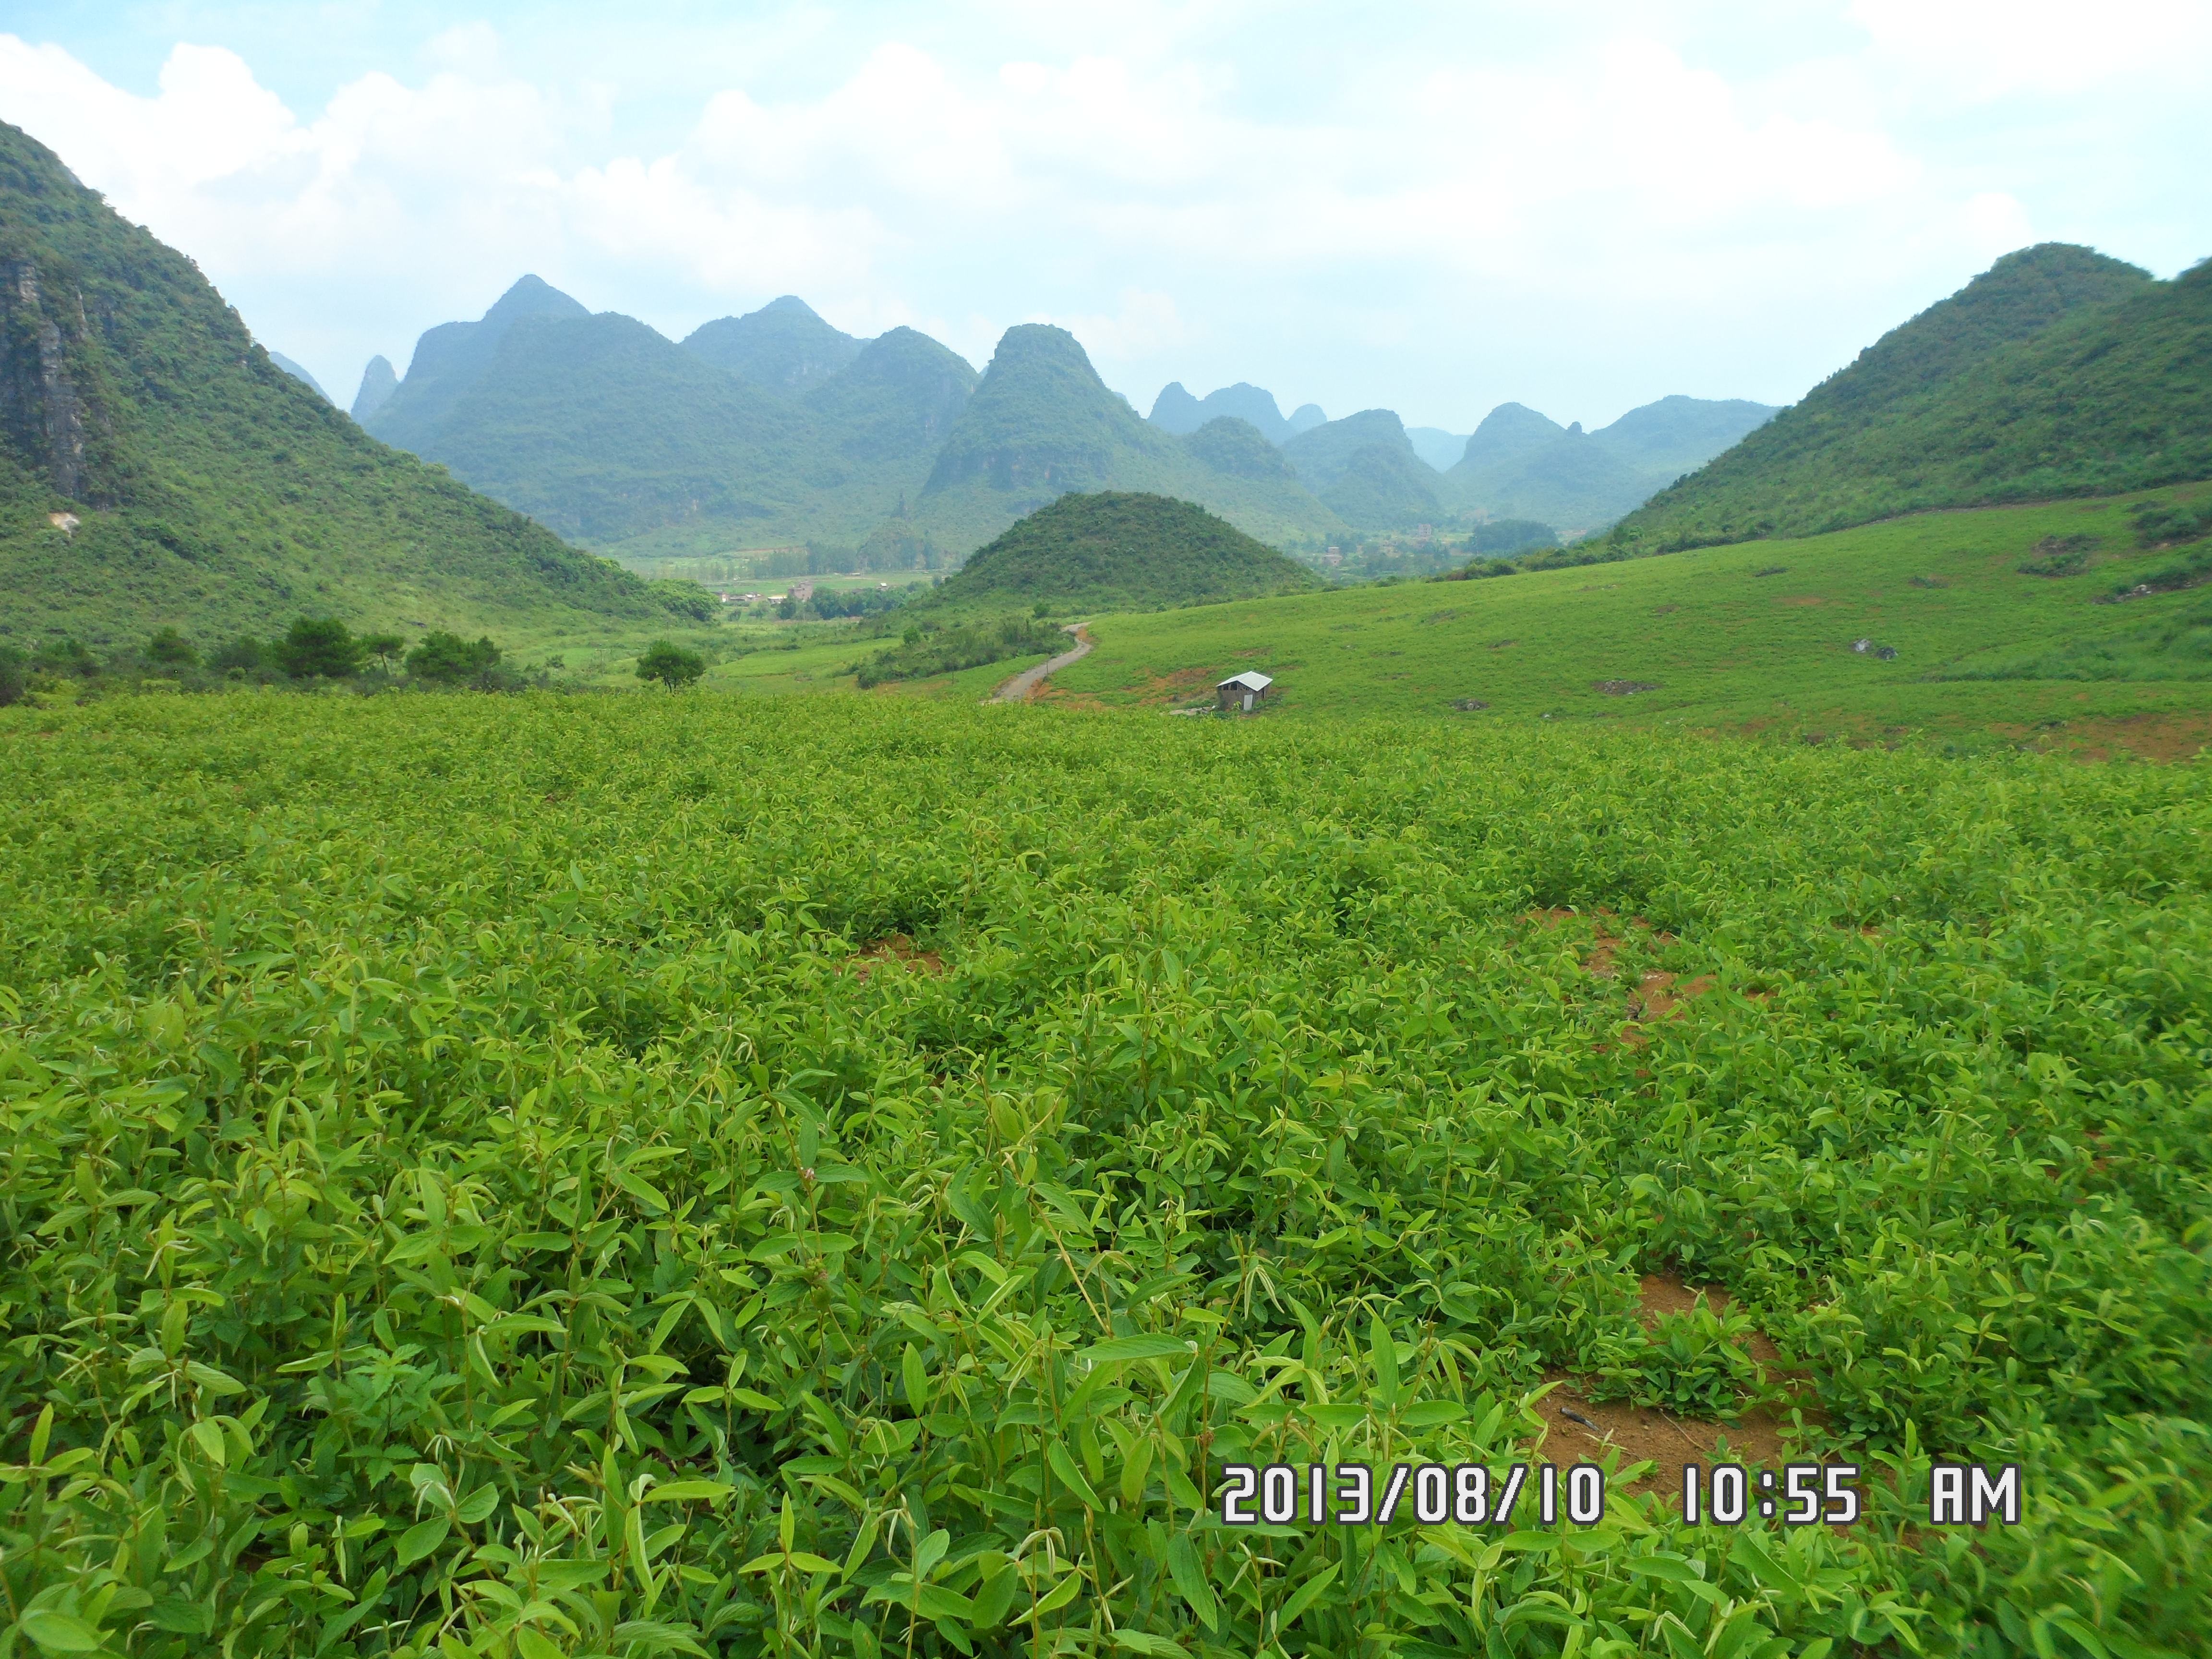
{"type": "Point", "coordinates": [928, 649]}
{"type": "Point", "coordinates": [313, 650]}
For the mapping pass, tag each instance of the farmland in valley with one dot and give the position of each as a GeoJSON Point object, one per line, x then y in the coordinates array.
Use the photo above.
{"type": "Point", "coordinates": [539, 1176]}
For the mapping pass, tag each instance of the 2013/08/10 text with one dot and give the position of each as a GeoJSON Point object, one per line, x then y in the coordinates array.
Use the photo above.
{"type": "Point", "coordinates": [1471, 1495]}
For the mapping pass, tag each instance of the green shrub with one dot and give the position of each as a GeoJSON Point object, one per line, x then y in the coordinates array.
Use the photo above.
{"type": "Point", "coordinates": [318, 647]}
{"type": "Point", "coordinates": [170, 649]}
{"type": "Point", "coordinates": [445, 659]}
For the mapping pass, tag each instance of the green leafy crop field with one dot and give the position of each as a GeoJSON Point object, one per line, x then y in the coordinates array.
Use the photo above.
{"type": "Point", "coordinates": [644, 1175]}
{"type": "Point", "coordinates": [1752, 637]}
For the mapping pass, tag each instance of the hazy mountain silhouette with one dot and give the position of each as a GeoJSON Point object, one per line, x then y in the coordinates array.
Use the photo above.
{"type": "Point", "coordinates": [784, 347]}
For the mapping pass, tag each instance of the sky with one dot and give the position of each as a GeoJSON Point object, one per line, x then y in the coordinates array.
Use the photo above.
{"type": "Point", "coordinates": [1429, 208]}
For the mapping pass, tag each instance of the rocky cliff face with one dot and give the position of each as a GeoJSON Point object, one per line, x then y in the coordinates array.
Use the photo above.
{"type": "Point", "coordinates": [43, 410]}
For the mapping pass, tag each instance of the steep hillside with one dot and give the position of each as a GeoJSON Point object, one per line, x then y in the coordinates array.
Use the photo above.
{"type": "Point", "coordinates": [209, 489]}
{"type": "Point", "coordinates": [378, 383]}
{"type": "Point", "coordinates": [1237, 449]}
{"type": "Point", "coordinates": [1042, 424]}
{"type": "Point", "coordinates": [784, 347]}
{"type": "Point", "coordinates": [1121, 551]}
{"type": "Point", "coordinates": [1382, 488]}
{"type": "Point", "coordinates": [299, 373]}
{"type": "Point", "coordinates": [1679, 435]}
{"type": "Point", "coordinates": [1571, 480]}
{"type": "Point", "coordinates": [1176, 412]}
{"type": "Point", "coordinates": [896, 401]}
{"type": "Point", "coordinates": [602, 429]}
{"type": "Point", "coordinates": [2056, 371]}
{"type": "Point", "coordinates": [1321, 454]}
{"type": "Point", "coordinates": [452, 357]}
{"type": "Point", "coordinates": [1508, 433]}
{"type": "Point", "coordinates": [1439, 450]}
{"type": "Point", "coordinates": [1519, 464]}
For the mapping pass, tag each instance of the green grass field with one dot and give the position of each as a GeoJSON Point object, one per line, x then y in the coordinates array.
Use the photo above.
{"type": "Point", "coordinates": [539, 1176]}
{"type": "Point", "coordinates": [1725, 646]}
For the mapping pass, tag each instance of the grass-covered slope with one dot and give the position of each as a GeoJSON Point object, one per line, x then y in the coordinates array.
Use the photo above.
{"type": "Point", "coordinates": [213, 491]}
{"type": "Point", "coordinates": [2058, 371]}
{"type": "Point", "coordinates": [502, 1175]}
{"type": "Point", "coordinates": [1756, 637]}
{"type": "Point", "coordinates": [1042, 423]}
{"type": "Point", "coordinates": [1117, 551]}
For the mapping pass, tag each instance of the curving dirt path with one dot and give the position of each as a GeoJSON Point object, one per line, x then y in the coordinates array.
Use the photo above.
{"type": "Point", "coordinates": [1024, 685]}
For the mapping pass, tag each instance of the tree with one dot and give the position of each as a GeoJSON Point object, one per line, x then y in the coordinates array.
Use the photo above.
{"type": "Point", "coordinates": [66, 657]}
{"type": "Point", "coordinates": [671, 664]}
{"type": "Point", "coordinates": [11, 675]}
{"type": "Point", "coordinates": [448, 660]}
{"type": "Point", "coordinates": [384, 648]}
{"type": "Point", "coordinates": [242, 656]}
{"type": "Point", "coordinates": [170, 649]}
{"type": "Point", "coordinates": [319, 645]}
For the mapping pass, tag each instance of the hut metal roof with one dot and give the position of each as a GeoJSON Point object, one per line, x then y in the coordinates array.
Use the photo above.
{"type": "Point", "coordinates": [1246, 680]}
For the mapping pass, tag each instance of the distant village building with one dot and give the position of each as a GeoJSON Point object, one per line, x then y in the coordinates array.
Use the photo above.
{"type": "Point", "coordinates": [1242, 692]}
{"type": "Point", "coordinates": [1333, 557]}
{"type": "Point", "coordinates": [802, 591]}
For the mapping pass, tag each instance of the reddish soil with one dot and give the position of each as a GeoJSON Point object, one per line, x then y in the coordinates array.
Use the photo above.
{"type": "Point", "coordinates": [895, 951]}
{"type": "Point", "coordinates": [1759, 1439]}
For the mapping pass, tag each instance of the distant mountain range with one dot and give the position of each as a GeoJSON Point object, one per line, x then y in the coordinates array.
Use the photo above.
{"type": "Point", "coordinates": [1375, 474]}
{"type": "Point", "coordinates": [1176, 410]}
{"type": "Point", "coordinates": [774, 427]}
{"type": "Point", "coordinates": [2056, 371]}
{"type": "Point", "coordinates": [158, 468]}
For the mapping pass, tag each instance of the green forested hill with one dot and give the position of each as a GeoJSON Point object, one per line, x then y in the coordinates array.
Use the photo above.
{"type": "Point", "coordinates": [449, 359]}
{"type": "Point", "coordinates": [784, 347]}
{"type": "Point", "coordinates": [602, 429]}
{"type": "Point", "coordinates": [1519, 464]}
{"type": "Point", "coordinates": [210, 489]}
{"type": "Point", "coordinates": [2058, 371]}
{"type": "Point", "coordinates": [1120, 550]}
{"type": "Point", "coordinates": [1042, 423]}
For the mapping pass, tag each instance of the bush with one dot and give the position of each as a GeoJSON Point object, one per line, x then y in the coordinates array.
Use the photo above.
{"type": "Point", "coordinates": [671, 664]}
{"type": "Point", "coordinates": [445, 659]}
{"type": "Point", "coordinates": [319, 645]}
{"type": "Point", "coordinates": [66, 657]}
{"type": "Point", "coordinates": [686, 599]}
{"type": "Point", "coordinates": [244, 655]}
{"type": "Point", "coordinates": [12, 674]}
{"type": "Point", "coordinates": [170, 649]}
{"type": "Point", "coordinates": [922, 654]}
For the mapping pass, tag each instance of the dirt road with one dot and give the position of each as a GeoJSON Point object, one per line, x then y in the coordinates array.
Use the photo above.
{"type": "Point", "coordinates": [1019, 689]}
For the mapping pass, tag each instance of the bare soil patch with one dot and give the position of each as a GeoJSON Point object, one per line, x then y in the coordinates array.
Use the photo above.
{"type": "Point", "coordinates": [1802, 601]}
{"type": "Point", "coordinates": [1623, 687]}
{"type": "Point", "coordinates": [1759, 1438]}
{"type": "Point", "coordinates": [894, 951]}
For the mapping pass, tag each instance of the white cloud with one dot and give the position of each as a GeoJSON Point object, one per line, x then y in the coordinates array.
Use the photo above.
{"type": "Point", "coordinates": [1582, 220]}
{"type": "Point", "coordinates": [1974, 49]}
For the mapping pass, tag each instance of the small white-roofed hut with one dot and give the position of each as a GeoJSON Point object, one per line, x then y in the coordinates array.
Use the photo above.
{"type": "Point", "coordinates": [1242, 693]}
